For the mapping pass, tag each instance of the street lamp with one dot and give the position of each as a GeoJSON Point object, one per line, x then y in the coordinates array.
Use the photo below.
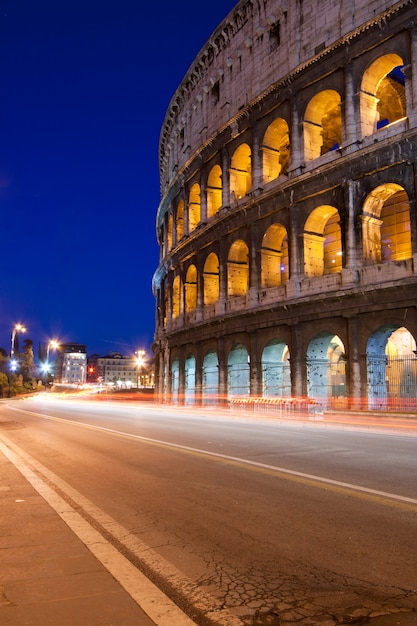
{"type": "Point", "coordinates": [51, 344]}
{"type": "Point", "coordinates": [140, 360]}
{"type": "Point", "coordinates": [19, 328]}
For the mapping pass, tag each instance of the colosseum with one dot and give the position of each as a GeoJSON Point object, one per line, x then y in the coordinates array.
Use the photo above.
{"type": "Point", "coordinates": [287, 221]}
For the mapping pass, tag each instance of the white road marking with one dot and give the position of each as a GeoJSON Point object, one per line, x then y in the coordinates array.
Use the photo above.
{"type": "Point", "coordinates": [147, 595]}
{"type": "Point", "coordinates": [274, 468]}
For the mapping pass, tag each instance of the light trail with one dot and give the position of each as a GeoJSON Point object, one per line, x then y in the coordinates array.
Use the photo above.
{"type": "Point", "coordinates": [382, 497]}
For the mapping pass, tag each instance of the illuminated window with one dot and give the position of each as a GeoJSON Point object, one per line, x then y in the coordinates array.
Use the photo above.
{"type": "Point", "coordinates": [241, 172]}
{"type": "Point", "coordinates": [214, 191]}
{"type": "Point", "coordinates": [322, 242]}
{"type": "Point", "coordinates": [211, 279]}
{"type": "Point", "coordinates": [194, 207]}
{"type": "Point", "coordinates": [238, 269]}
{"type": "Point", "coordinates": [274, 257]}
{"type": "Point", "coordinates": [275, 150]}
{"type": "Point", "coordinates": [382, 94]}
{"type": "Point", "coordinates": [322, 124]}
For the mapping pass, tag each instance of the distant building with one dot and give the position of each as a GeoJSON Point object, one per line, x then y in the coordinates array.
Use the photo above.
{"type": "Point", "coordinates": [71, 364]}
{"type": "Point", "coordinates": [118, 369]}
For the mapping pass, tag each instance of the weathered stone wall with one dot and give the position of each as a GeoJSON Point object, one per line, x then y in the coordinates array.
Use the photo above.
{"type": "Point", "coordinates": [256, 46]}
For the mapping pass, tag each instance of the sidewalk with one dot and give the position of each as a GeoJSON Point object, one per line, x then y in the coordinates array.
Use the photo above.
{"type": "Point", "coordinates": [47, 575]}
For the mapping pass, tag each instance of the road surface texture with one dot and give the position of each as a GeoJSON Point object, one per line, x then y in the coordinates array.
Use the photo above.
{"type": "Point", "coordinates": [239, 521]}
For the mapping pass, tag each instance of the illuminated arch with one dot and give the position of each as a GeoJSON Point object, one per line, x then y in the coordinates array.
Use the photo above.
{"type": "Point", "coordinates": [382, 94]}
{"type": "Point", "coordinates": [391, 368]}
{"type": "Point", "coordinates": [214, 190]}
{"type": "Point", "coordinates": [179, 222]}
{"type": "Point", "coordinates": [210, 383]}
{"type": "Point", "coordinates": [194, 207]}
{"type": "Point", "coordinates": [169, 232]}
{"type": "Point", "coordinates": [191, 289]}
{"type": "Point", "coordinates": [322, 242]}
{"type": "Point", "coordinates": [386, 229]}
{"type": "Point", "coordinates": [238, 269]}
{"type": "Point", "coordinates": [322, 124]}
{"type": "Point", "coordinates": [274, 257]}
{"type": "Point", "coordinates": [326, 368]}
{"type": "Point", "coordinates": [189, 379]}
{"type": "Point", "coordinates": [211, 280]}
{"type": "Point", "coordinates": [275, 150]}
{"type": "Point", "coordinates": [241, 171]}
{"type": "Point", "coordinates": [276, 374]}
{"type": "Point", "coordinates": [176, 297]}
{"type": "Point", "coordinates": [238, 372]}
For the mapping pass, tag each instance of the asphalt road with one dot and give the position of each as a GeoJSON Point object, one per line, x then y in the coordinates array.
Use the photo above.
{"type": "Point", "coordinates": [239, 520]}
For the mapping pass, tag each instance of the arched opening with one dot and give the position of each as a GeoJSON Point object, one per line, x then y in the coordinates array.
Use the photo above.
{"type": "Point", "coordinates": [274, 257]}
{"type": "Point", "coordinates": [189, 380]}
{"type": "Point", "coordinates": [382, 95]}
{"type": "Point", "coordinates": [175, 381]}
{"type": "Point", "coordinates": [176, 297]}
{"type": "Point", "coordinates": [386, 230]}
{"type": "Point", "coordinates": [210, 378]}
{"type": "Point", "coordinates": [238, 372]}
{"type": "Point", "coordinates": [241, 172]}
{"type": "Point", "coordinates": [214, 190]}
{"type": "Point", "coordinates": [391, 369]}
{"type": "Point", "coordinates": [322, 242]}
{"type": "Point", "coordinates": [211, 281]}
{"type": "Point", "coordinates": [169, 232]}
{"type": "Point", "coordinates": [180, 220]}
{"type": "Point", "coordinates": [326, 371]}
{"type": "Point", "coordinates": [191, 289]}
{"type": "Point", "coordinates": [194, 208]}
{"type": "Point", "coordinates": [238, 269]}
{"type": "Point", "coordinates": [275, 150]}
{"type": "Point", "coordinates": [276, 372]}
{"type": "Point", "coordinates": [322, 124]}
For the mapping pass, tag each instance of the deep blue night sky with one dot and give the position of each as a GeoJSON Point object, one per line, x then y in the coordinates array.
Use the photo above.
{"type": "Point", "coordinates": [85, 85]}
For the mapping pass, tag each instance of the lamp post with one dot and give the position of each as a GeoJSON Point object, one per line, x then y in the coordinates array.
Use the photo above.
{"type": "Point", "coordinates": [19, 328]}
{"type": "Point", "coordinates": [140, 360]}
{"type": "Point", "coordinates": [51, 344]}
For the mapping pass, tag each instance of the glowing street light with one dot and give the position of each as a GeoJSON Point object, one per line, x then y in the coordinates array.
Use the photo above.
{"type": "Point", "coordinates": [54, 344]}
{"type": "Point", "coordinates": [140, 361]}
{"type": "Point", "coordinates": [19, 328]}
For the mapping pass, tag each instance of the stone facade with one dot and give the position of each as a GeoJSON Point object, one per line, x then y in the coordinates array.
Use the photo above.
{"type": "Point", "coordinates": [287, 224]}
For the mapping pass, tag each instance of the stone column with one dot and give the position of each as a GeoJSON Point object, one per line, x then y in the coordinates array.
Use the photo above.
{"type": "Point", "coordinates": [298, 367]}
{"type": "Point", "coordinates": [256, 162]}
{"type": "Point", "coordinates": [225, 180]}
{"type": "Point", "coordinates": [350, 127]}
{"type": "Point", "coordinates": [350, 273]}
{"type": "Point", "coordinates": [355, 388]}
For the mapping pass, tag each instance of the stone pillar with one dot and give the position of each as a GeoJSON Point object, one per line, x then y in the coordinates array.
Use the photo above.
{"type": "Point", "coordinates": [203, 202]}
{"type": "Point", "coordinates": [222, 278]}
{"type": "Point", "coordinates": [222, 371]}
{"type": "Point", "coordinates": [368, 109]}
{"type": "Point", "coordinates": [350, 272]}
{"type": "Point", "coordinates": [350, 127]}
{"type": "Point", "coordinates": [411, 80]}
{"type": "Point", "coordinates": [255, 369]}
{"type": "Point", "coordinates": [296, 151]}
{"type": "Point", "coordinates": [293, 286]}
{"type": "Point", "coordinates": [199, 314]}
{"type": "Point", "coordinates": [355, 387]}
{"type": "Point", "coordinates": [253, 292]}
{"type": "Point", "coordinates": [256, 162]}
{"type": "Point", "coordinates": [225, 180]}
{"type": "Point", "coordinates": [198, 390]}
{"type": "Point", "coordinates": [298, 368]}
